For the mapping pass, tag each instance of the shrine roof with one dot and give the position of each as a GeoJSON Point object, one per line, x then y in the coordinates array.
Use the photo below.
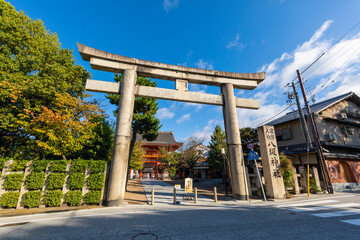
{"type": "Point", "coordinates": [164, 138]}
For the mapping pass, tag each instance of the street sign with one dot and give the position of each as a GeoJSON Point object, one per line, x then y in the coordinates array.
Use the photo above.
{"type": "Point", "coordinates": [177, 186]}
{"type": "Point", "coordinates": [253, 155]}
{"type": "Point", "coordinates": [250, 146]}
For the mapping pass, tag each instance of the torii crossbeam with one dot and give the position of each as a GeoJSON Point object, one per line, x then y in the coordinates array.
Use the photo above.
{"type": "Point", "coordinates": [128, 90]}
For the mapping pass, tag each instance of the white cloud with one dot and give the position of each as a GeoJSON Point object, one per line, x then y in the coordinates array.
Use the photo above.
{"type": "Point", "coordinates": [197, 106]}
{"type": "Point", "coordinates": [206, 132]}
{"type": "Point", "coordinates": [184, 118]}
{"type": "Point", "coordinates": [170, 5]}
{"type": "Point", "coordinates": [203, 64]}
{"type": "Point", "coordinates": [164, 113]}
{"type": "Point", "coordinates": [235, 43]}
{"type": "Point", "coordinates": [340, 63]}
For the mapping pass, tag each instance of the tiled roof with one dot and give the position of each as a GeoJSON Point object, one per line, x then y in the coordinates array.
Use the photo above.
{"type": "Point", "coordinates": [164, 137]}
{"type": "Point", "coordinates": [315, 108]}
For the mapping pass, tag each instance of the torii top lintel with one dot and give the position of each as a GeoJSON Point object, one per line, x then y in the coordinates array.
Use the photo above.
{"type": "Point", "coordinates": [110, 62]}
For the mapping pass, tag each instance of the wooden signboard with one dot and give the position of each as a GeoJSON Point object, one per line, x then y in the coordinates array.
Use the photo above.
{"type": "Point", "coordinates": [188, 185]}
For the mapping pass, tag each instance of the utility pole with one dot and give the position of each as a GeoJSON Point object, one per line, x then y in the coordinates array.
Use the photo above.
{"type": "Point", "coordinates": [322, 164]}
{"type": "Point", "coordinates": [306, 135]}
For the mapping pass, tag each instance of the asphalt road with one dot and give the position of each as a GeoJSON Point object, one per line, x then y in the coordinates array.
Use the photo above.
{"type": "Point", "coordinates": [320, 217]}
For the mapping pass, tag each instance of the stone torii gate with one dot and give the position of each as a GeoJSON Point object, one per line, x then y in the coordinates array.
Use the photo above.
{"type": "Point", "coordinates": [128, 90]}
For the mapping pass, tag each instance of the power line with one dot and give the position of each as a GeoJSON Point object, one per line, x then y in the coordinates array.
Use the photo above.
{"type": "Point", "coordinates": [343, 36]}
{"type": "Point", "coordinates": [323, 85]}
{"type": "Point", "coordinates": [275, 115]}
{"type": "Point", "coordinates": [318, 69]}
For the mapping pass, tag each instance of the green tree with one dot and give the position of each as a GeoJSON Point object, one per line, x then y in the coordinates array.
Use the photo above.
{"type": "Point", "coordinates": [144, 121]}
{"type": "Point", "coordinates": [99, 147]}
{"type": "Point", "coordinates": [66, 128]}
{"type": "Point", "coordinates": [191, 153]}
{"type": "Point", "coordinates": [171, 159]}
{"type": "Point", "coordinates": [136, 160]}
{"type": "Point", "coordinates": [217, 142]}
{"type": "Point", "coordinates": [33, 70]}
{"type": "Point", "coordinates": [249, 135]}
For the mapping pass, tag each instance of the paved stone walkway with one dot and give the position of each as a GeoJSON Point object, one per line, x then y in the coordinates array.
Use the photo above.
{"type": "Point", "coordinates": [164, 193]}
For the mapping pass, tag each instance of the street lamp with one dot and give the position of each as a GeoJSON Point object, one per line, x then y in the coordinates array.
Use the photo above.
{"type": "Point", "coordinates": [224, 172]}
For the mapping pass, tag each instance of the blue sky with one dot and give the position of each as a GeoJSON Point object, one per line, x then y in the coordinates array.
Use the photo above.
{"type": "Point", "coordinates": [276, 36]}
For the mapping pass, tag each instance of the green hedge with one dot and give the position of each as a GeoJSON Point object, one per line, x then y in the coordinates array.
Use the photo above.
{"type": "Point", "coordinates": [35, 181]}
{"type": "Point", "coordinates": [13, 181]}
{"type": "Point", "coordinates": [53, 198]}
{"type": "Point", "coordinates": [97, 166]}
{"type": "Point", "coordinates": [31, 199]}
{"type": "Point", "coordinates": [73, 198]}
{"type": "Point", "coordinates": [2, 164]}
{"type": "Point", "coordinates": [18, 165]}
{"type": "Point", "coordinates": [92, 198]}
{"type": "Point", "coordinates": [58, 166]}
{"type": "Point", "coordinates": [56, 181]}
{"type": "Point", "coordinates": [39, 165]}
{"type": "Point", "coordinates": [79, 166]}
{"type": "Point", "coordinates": [96, 181]}
{"type": "Point", "coordinates": [9, 199]}
{"type": "Point", "coordinates": [76, 181]}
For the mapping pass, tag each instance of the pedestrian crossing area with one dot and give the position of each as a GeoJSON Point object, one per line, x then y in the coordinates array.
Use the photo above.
{"type": "Point", "coordinates": [326, 209]}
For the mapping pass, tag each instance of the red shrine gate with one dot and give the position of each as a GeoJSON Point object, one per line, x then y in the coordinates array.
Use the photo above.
{"type": "Point", "coordinates": [165, 140]}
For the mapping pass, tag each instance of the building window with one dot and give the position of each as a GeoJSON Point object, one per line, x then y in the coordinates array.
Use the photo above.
{"type": "Point", "coordinates": [343, 130]}
{"type": "Point", "coordinates": [349, 130]}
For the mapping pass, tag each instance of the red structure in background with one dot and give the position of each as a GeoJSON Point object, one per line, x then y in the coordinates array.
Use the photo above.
{"type": "Point", "coordinates": [165, 140]}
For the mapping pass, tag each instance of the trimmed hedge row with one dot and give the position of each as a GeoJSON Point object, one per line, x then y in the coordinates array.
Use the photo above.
{"type": "Point", "coordinates": [39, 165]}
{"type": "Point", "coordinates": [9, 199]}
{"type": "Point", "coordinates": [13, 181]}
{"type": "Point", "coordinates": [18, 165]}
{"type": "Point", "coordinates": [56, 181]}
{"type": "Point", "coordinates": [32, 199]}
{"type": "Point", "coordinates": [35, 181]}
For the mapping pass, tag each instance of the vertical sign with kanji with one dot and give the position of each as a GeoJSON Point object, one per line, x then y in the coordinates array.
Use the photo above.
{"type": "Point", "coordinates": [271, 162]}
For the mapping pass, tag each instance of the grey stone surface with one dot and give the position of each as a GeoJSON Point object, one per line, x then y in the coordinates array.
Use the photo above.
{"type": "Point", "coordinates": [116, 63]}
{"type": "Point", "coordinates": [240, 189]}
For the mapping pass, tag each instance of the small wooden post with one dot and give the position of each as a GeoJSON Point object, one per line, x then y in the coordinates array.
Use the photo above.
{"type": "Point", "coordinates": [215, 195]}
{"type": "Point", "coordinates": [195, 194]}
{"type": "Point", "coordinates": [152, 196]}
{"type": "Point", "coordinates": [174, 200]}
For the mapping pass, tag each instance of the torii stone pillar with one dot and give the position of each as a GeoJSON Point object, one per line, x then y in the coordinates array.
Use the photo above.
{"type": "Point", "coordinates": [119, 162]}
{"type": "Point", "coordinates": [128, 90]}
{"type": "Point", "coordinates": [237, 168]}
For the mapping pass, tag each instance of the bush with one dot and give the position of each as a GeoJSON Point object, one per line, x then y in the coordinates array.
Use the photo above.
{"type": "Point", "coordinates": [79, 166]}
{"type": "Point", "coordinates": [31, 199]}
{"type": "Point", "coordinates": [93, 197]}
{"type": "Point", "coordinates": [76, 181]}
{"type": "Point", "coordinates": [9, 199]}
{"type": "Point", "coordinates": [18, 165]}
{"type": "Point", "coordinates": [35, 181]}
{"type": "Point", "coordinates": [95, 181]}
{"type": "Point", "coordinates": [53, 198]}
{"type": "Point", "coordinates": [313, 187]}
{"type": "Point", "coordinates": [97, 166]}
{"type": "Point", "coordinates": [287, 171]}
{"type": "Point", "coordinates": [58, 166]}
{"type": "Point", "coordinates": [13, 181]}
{"type": "Point", "coordinates": [39, 165]}
{"type": "Point", "coordinates": [56, 181]}
{"type": "Point", "coordinates": [73, 198]}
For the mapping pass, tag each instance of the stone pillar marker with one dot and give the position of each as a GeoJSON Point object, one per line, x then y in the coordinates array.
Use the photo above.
{"type": "Point", "coordinates": [233, 140]}
{"type": "Point", "coordinates": [271, 162]}
{"type": "Point", "coordinates": [119, 162]}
